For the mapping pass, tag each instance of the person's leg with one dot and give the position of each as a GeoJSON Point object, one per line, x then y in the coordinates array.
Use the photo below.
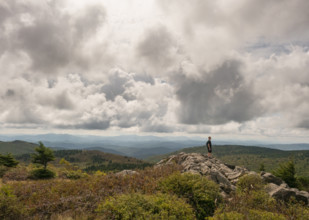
{"type": "Point", "coordinates": [209, 153]}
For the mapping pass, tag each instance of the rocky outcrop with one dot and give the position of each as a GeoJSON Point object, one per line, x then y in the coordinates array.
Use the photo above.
{"type": "Point", "coordinates": [228, 175]}
{"type": "Point", "coordinates": [225, 175]}
{"type": "Point", "coordinates": [126, 172]}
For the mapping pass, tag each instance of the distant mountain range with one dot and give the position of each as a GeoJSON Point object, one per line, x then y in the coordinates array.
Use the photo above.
{"type": "Point", "coordinates": [135, 145]}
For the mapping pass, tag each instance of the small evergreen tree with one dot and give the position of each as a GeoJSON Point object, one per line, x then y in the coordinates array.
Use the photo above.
{"type": "Point", "coordinates": [43, 155]}
{"type": "Point", "coordinates": [286, 172]}
{"type": "Point", "coordinates": [262, 167]}
{"type": "Point", "coordinates": [8, 160]}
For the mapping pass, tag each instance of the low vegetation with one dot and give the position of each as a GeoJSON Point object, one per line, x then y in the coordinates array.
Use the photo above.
{"type": "Point", "coordinates": [250, 201]}
{"type": "Point", "coordinates": [56, 197]}
{"type": "Point", "coordinates": [61, 189]}
{"type": "Point", "coordinates": [202, 194]}
{"type": "Point", "coordinates": [142, 206]}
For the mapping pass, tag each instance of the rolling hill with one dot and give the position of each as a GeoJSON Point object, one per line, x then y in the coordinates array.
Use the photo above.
{"type": "Point", "coordinates": [17, 147]}
{"type": "Point", "coordinates": [92, 160]}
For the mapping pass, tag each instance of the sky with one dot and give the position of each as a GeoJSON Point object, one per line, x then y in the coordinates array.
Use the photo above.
{"type": "Point", "coordinates": [229, 68]}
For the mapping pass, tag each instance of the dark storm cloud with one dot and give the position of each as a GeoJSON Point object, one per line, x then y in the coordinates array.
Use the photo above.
{"type": "Point", "coordinates": [63, 101]}
{"type": "Point", "coordinates": [94, 125]}
{"type": "Point", "coordinates": [47, 43]}
{"type": "Point", "coordinates": [144, 78]}
{"type": "Point", "coordinates": [4, 12]}
{"type": "Point", "coordinates": [52, 38]}
{"type": "Point", "coordinates": [10, 93]}
{"type": "Point", "coordinates": [304, 124]}
{"type": "Point", "coordinates": [155, 47]}
{"type": "Point", "coordinates": [219, 97]}
{"type": "Point", "coordinates": [87, 23]}
{"type": "Point", "coordinates": [116, 86]}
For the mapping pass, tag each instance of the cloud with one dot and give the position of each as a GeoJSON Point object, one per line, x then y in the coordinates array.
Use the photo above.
{"type": "Point", "coordinates": [304, 124]}
{"type": "Point", "coordinates": [71, 102]}
{"type": "Point", "coordinates": [220, 96]}
{"type": "Point", "coordinates": [51, 37]}
{"type": "Point", "coordinates": [157, 127]}
{"type": "Point", "coordinates": [224, 67]}
{"type": "Point", "coordinates": [156, 47]}
{"type": "Point", "coordinates": [118, 81]}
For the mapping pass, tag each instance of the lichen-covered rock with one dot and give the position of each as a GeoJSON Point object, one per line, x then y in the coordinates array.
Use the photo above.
{"type": "Point", "coordinates": [211, 167]}
{"type": "Point", "coordinates": [269, 178]}
{"type": "Point", "coordinates": [126, 172]}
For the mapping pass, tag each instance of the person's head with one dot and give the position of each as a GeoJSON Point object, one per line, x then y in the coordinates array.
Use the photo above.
{"type": "Point", "coordinates": [209, 138]}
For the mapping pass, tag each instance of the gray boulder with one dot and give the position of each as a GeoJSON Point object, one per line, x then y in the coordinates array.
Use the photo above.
{"type": "Point", "coordinates": [269, 178]}
{"type": "Point", "coordinates": [126, 172]}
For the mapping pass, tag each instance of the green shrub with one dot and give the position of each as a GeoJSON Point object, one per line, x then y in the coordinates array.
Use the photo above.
{"type": "Point", "coordinates": [228, 216]}
{"type": "Point", "coordinates": [9, 206]}
{"type": "Point", "coordinates": [8, 160]}
{"type": "Point", "coordinates": [141, 206]}
{"type": "Point", "coordinates": [286, 172]}
{"type": "Point", "coordinates": [250, 183]}
{"type": "Point", "coordinates": [250, 214]}
{"type": "Point", "coordinates": [74, 174]}
{"type": "Point", "coordinates": [42, 174]}
{"type": "Point", "coordinates": [303, 183]}
{"type": "Point", "coordinates": [294, 210]}
{"type": "Point", "coordinates": [250, 194]}
{"type": "Point", "coordinates": [262, 167]}
{"type": "Point", "coordinates": [258, 215]}
{"type": "Point", "coordinates": [201, 193]}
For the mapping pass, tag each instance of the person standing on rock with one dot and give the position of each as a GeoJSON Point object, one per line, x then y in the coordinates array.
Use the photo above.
{"type": "Point", "coordinates": [209, 147]}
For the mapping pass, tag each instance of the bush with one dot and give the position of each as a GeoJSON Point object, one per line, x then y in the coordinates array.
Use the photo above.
{"type": "Point", "coordinates": [303, 183]}
{"type": "Point", "coordinates": [286, 172]}
{"type": "Point", "coordinates": [201, 193]}
{"type": "Point", "coordinates": [258, 214]}
{"type": "Point", "coordinates": [228, 216]}
{"type": "Point", "coordinates": [8, 160]}
{"type": "Point", "coordinates": [141, 206]}
{"type": "Point", "coordinates": [19, 174]}
{"type": "Point", "coordinates": [251, 214]}
{"type": "Point", "coordinates": [73, 174]}
{"type": "Point", "coordinates": [42, 174]}
{"type": "Point", "coordinates": [250, 194]}
{"type": "Point", "coordinates": [9, 206]}
{"type": "Point", "coordinates": [250, 183]}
